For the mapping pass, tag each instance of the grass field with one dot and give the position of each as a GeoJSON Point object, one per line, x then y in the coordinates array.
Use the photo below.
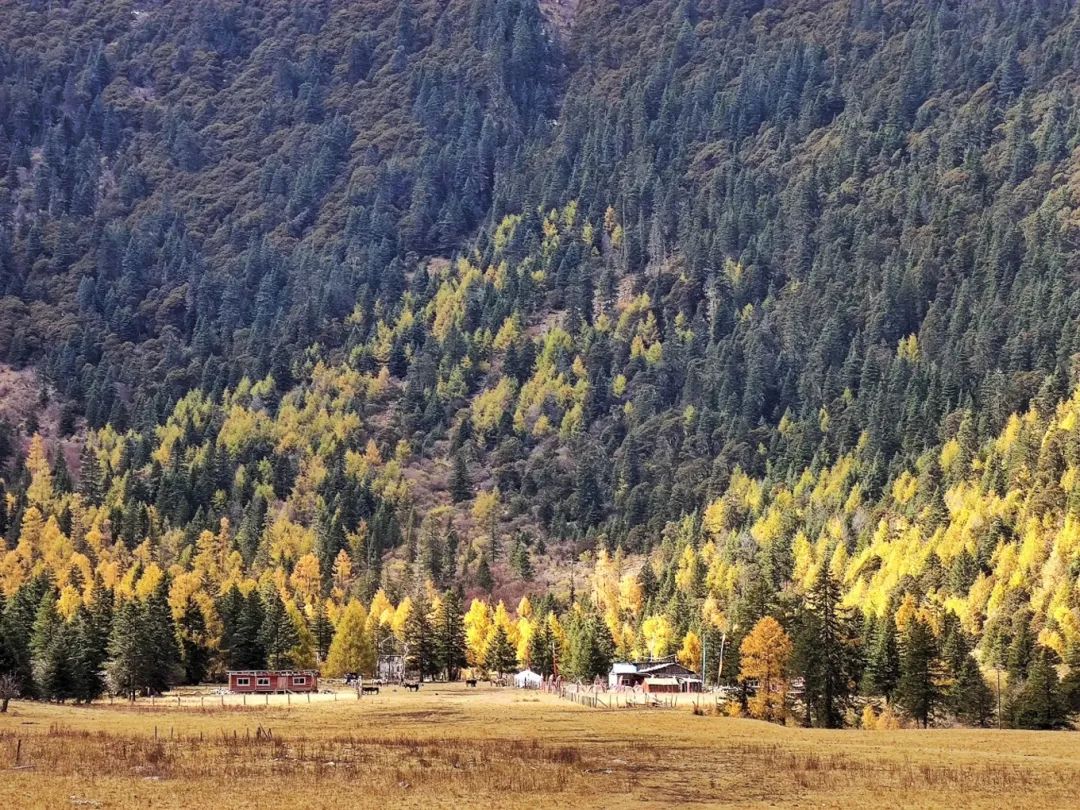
{"type": "Point", "coordinates": [449, 746]}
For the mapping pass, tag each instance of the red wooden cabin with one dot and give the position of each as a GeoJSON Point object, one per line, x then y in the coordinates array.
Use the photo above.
{"type": "Point", "coordinates": [273, 680]}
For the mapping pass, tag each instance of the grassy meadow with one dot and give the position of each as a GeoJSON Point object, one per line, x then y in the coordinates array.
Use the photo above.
{"type": "Point", "coordinates": [449, 746]}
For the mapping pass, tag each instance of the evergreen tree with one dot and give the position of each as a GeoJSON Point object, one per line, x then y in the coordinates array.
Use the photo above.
{"type": "Point", "coordinates": [825, 647]}
{"type": "Point", "coordinates": [194, 644]}
{"type": "Point", "coordinates": [970, 698]}
{"type": "Point", "coordinates": [448, 645]}
{"type": "Point", "coordinates": [1038, 702]}
{"type": "Point", "coordinates": [127, 650]}
{"type": "Point", "coordinates": [543, 656]}
{"type": "Point", "coordinates": [418, 640]}
{"type": "Point", "coordinates": [248, 651]}
{"type": "Point", "coordinates": [460, 484]}
{"type": "Point", "coordinates": [918, 691]}
{"type": "Point", "coordinates": [57, 676]}
{"type": "Point", "coordinates": [161, 653]}
{"type": "Point", "coordinates": [484, 578]}
{"type": "Point", "coordinates": [882, 672]}
{"type": "Point", "coordinates": [277, 633]}
{"type": "Point", "coordinates": [323, 631]}
{"type": "Point", "coordinates": [499, 655]}
{"type": "Point", "coordinates": [47, 625]}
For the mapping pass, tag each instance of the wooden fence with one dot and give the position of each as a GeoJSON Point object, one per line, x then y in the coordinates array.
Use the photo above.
{"type": "Point", "coordinates": [614, 699]}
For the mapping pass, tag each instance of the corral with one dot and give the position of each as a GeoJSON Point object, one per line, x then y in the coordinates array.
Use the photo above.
{"type": "Point", "coordinates": [452, 746]}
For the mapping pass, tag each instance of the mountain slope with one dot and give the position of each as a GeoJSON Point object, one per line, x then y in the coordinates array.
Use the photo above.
{"type": "Point", "coordinates": [391, 292]}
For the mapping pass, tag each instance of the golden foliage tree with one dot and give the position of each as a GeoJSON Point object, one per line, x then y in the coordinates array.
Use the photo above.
{"type": "Point", "coordinates": [764, 657]}
{"type": "Point", "coordinates": [351, 649]}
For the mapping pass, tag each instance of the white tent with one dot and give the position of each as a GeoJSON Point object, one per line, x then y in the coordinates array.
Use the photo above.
{"type": "Point", "coordinates": [527, 679]}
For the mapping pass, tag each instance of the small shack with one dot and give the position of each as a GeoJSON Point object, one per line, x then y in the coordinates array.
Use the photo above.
{"type": "Point", "coordinates": [527, 679]}
{"type": "Point", "coordinates": [266, 681]}
{"type": "Point", "coordinates": [391, 663]}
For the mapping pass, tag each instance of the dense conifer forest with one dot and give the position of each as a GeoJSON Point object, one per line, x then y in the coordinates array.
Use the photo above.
{"type": "Point", "coordinates": [676, 326]}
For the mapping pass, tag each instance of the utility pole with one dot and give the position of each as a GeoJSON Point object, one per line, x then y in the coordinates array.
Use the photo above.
{"type": "Point", "coordinates": [720, 669]}
{"type": "Point", "coordinates": [997, 670]}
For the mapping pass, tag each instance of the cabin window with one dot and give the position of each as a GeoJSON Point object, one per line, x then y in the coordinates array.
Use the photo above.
{"type": "Point", "coordinates": [298, 681]}
{"type": "Point", "coordinates": [242, 681]}
{"type": "Point", "coordinates": [262, 681]}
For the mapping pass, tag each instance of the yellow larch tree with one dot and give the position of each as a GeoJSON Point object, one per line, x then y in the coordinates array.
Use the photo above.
{"type": "Point", "coordinates": [764, 657]}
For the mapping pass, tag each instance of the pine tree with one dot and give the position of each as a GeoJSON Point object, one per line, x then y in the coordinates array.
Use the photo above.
{"type": "Point", "coordinates": [230, 608]}
{"type": "Point", "coordinates": [499, 655]}
{"type": "Point", "coordinates": [277, 633]}
{"type": "Point", "coordinates": [419, 644]}
{"type": "Point", "coordinates": [824, 652]}
{"type": "Point", "coordinates": [248, 651]}
{"type": "Point", "coordinates": [127, 650]}
{"type": "Point", "coordinates": [59, 678]}
{"type": "Point", "coordinates": [449, 636]}
{"type": "Point", "coordinates": [1038, 702]}
{"type": "Point", "coordinates": [323, 631]}
{"type": "Point", "coordinates": [90, 651]}
{"type": "Point", "coordinates": [543, 655]}
{"type": "Point", "coordinates": [460, 484]}
{"type": "Point", "coordinates": [46, 626]}
{"type": "Point", "coordinates": [1021, 650]}
{"type": "Point", "coordinates": [194, 643]}
{"type": "Point", "coordinates": [484, 578]}
{"type": "Point", "coordinates": [970, 698]}
{"type": "Point", "coordinates": [882, 671]}
{"type": "Point", "coordinates": [918, 691]}
{"type": "Point", "coordinates": [520, 560]}
{"type": "Point", "coordinates": [158, 636]}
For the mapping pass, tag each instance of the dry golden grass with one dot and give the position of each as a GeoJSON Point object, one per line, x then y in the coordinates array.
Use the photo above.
{"type": "Point", "coordinates": [449, 746]}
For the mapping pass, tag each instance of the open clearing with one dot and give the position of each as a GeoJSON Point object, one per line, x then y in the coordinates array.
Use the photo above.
{"type": "Point", "coordinates": [449, 746]}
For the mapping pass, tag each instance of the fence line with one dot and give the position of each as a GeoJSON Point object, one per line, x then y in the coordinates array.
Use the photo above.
{"type": "Point", "coordinates": [614, 699]}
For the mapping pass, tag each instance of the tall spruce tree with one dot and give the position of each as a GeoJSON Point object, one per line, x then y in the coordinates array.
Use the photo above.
{"type": "Point", "coordinates": [499, 654]}
{"type": "Point", "coordinates": [825, 650]}
{"type": "Point", "coordinates": [449, 636]}
{"type": "Point", "coordinates": [418, 640]}
{"type": "Point", "coordinates": [1037, 703]}
{"type": "Point", "coordinates": [882, 671]}
{"type": "Point", "coordinates": [277, 633]}
{"type": "Point", "coordinates": [194, 643]}
{"type": "Point", "coordinates": [127, 650]}
{"type": "Point", "coordinates": [918, 691]}
{"type": "Point", "coordinates": [158, 636]}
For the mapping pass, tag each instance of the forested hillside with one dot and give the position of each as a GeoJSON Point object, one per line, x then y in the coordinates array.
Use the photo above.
{"type": "Point", "coordinates": [670, 315]}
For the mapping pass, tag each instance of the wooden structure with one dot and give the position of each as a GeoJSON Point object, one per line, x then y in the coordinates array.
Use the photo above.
{"type": "Point", "coordinates": [267, 681]}
{"type": "Point", "coordinates": [654, 686]}
{"type": "Point", "coordinates": [391, 664]}
{"type": "Point", "coordinates": [638, 674]}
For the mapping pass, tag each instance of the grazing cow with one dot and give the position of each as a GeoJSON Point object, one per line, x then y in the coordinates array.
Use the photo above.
{"type": "Point", "coordinates": [369, 690]}
{"type": "Point", "coordinates": [470, 682]}
{"type": "Point", "coordinates": [412, 686]}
